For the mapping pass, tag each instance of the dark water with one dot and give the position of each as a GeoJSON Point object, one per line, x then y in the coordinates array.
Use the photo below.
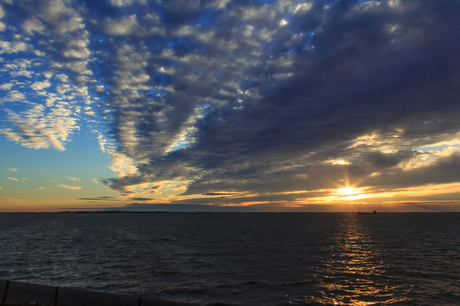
{"type": "Point", "coordinates": [254, 259]}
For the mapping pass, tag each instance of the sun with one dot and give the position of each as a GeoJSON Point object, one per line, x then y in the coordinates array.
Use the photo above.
{"type": "Point", "coordinates": [349, 194]}
{"type": "Point", "coordinates": [347, 191]}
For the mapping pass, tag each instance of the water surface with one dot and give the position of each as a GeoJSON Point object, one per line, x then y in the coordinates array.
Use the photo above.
{"type": "Point", "coordinates": [269, 259]}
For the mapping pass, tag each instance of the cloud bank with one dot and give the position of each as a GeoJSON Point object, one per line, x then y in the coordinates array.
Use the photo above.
{"type": "Point", "coordinates": [234, 102]}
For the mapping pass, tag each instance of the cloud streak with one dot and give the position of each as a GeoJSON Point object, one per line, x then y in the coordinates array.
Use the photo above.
{"type": "Point", "coordinates": [70, 187]}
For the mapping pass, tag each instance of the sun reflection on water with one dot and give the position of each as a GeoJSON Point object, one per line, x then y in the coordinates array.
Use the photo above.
{"type": "Point", "coordinates": [354, 272]}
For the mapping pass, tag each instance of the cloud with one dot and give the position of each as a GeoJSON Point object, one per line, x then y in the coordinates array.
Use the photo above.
{"type": "Point", "coordinates": [32, 26]}
{"type": "Point", "coordinates": [103, 198]}
{"type": "Point", "coordinates": [305, 94]}
{"type": "Point", "coordinates": [62, 77]}
{"type": "Point", "coordinates": [124, 26]}
{"type": "Point", "coordinates": [12, 201]}
{"type": "Point", "coordinates": [14, 96]}
{"type": "Point", "coordinates": [41, 85]}
{"type": "Point", "coordinates": [142, 199]}
{"type": "Point", "coordinates": [41, 128]}
{"type": "Point", "coordinates": [12, 47]}
{"type": "Point", "coordinates": [217, 194]}
{"type": "Point", "coordinates": [12, 169]}
{"type": "Point", "coordinates": [242, 102]}
{"type": "Point", "coordinates": [95, 181]}
{"type": "Point", "coordinates": [13, 179]}
{"type": "Point", "coordinates": [6, 86]}
{"type": "Point", "coordinates": [73, 179]}
{"type": "Point", "coordinates": [70, 187]}
{"type": "Point", "coordinates": [40, 188]}
{"type": "Point", "coordinates": [126, 2]}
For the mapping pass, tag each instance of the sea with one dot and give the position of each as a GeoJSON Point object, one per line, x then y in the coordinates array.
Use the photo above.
{"type": "Point", "coordinates": [241, 258]}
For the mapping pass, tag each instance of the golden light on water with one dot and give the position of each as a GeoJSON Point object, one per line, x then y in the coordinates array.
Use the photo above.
{"type": "Point", "coordinates": [353, 271]}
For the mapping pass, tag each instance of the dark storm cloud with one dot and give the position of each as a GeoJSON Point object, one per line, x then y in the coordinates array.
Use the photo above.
{"type": "Point", "coordinates": [352, 69]}
{"type": "Point", "coordinates": [444, 170]}
{"type": "Point", "coordinates": [263, 98]}
{"type": "Point", "coordinates": [216, 194]}
{"type": "Point", "coordinates": [381, 160]}
{"type": "Point", "coordinates": [141, 199]}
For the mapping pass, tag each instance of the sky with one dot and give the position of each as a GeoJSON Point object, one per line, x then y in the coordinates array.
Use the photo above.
{"type": "Point", "coordinates": [230, 105]}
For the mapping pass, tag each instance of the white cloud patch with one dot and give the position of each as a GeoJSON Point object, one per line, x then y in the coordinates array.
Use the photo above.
{"type": "Point", "coordinates": [14, 96]}
{"type": "Point", "coordinates": [6, 86]}
{"type": "Point", "coordinates": [32, 26]}
{"type": "Point", "coordinates": [13, 47]}
{"type": "Point", "coordinates": [124, 26]}
{"type": "Point", "coordinates": [62, 77]}
{"type": "Point", "coordinates": [41, 85]}
{"type": "Point", "coordinates": [102, 142]}
{"type": "Point", "coordinates": [122, 165]}
{"type": "Point", "coordinates": [41, 128]}
{"type": "Point", "coordinates": [13, 179]}
{"type": "Point", "coordinates": [12, 169]}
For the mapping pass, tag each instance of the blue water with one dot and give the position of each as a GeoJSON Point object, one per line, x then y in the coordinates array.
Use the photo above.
{"type": "Point", "coordinates": [243, 259]}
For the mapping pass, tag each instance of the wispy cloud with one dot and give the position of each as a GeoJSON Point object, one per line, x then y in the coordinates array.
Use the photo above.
{"type": "Point", "coordinates": [12, 201]}
{"type": "Point", "coordinates": [12, 169]}
{"type": "Point", "coordinates": [102, 198]}
{"type": "Point", "coordinates": [12, 178]}
{"type": "Point", "coordinates": [74, 179]}
{"type": "Point", "coordinates": [70, 187]}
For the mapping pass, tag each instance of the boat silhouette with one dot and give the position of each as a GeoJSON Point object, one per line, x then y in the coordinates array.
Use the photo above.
{"type": "Point", "coordinates": [367, 213]}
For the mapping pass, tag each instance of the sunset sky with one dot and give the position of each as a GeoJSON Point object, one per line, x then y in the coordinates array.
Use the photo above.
{"type": "Point", "coordinates": [226, 105]}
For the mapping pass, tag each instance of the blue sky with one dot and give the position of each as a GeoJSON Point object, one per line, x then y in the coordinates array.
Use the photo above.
{"type": "Point", "coordinates": [229, 105]}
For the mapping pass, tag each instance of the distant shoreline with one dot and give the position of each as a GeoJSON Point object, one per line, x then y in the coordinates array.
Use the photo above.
{"type": "Point", "coordinates": [220, 212]}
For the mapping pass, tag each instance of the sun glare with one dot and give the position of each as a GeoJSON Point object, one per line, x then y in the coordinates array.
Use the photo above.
{"type": "Point", "coordinates": [347, 191]}
{"type": "Point", "coordinates": [349, 194]}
